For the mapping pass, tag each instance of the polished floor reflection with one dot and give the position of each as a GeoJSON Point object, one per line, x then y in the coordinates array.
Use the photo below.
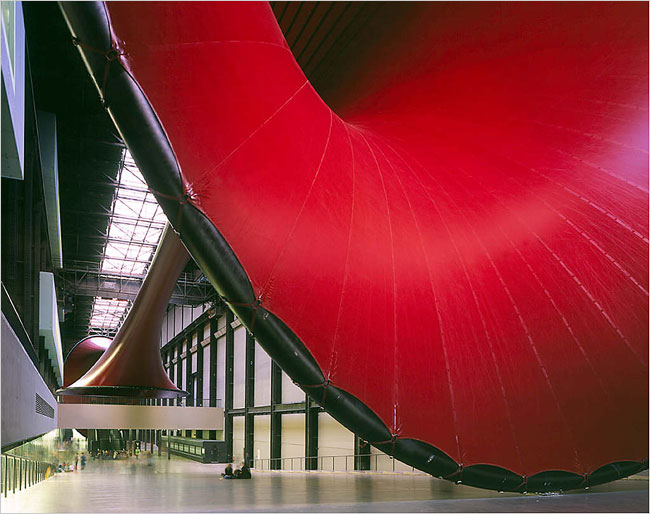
{"type": "Point", "coordinates": [179, 485]}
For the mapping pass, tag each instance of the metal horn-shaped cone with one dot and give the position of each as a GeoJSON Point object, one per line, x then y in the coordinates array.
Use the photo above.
{"type": "Point", "coordinates": [132, 366]}
{"type": "Point", "coordinates": [80, 359]}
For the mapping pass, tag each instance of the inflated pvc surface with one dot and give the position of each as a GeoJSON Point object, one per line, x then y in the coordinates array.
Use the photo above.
{"type": "Point", "coordinates": [460, 238]}
{"type": "Point", "coordinates": [80, 359]}
{"type": "Point", "coordinates": [82, 356]}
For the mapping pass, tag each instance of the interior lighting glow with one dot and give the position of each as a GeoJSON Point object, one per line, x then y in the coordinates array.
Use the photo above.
{"type": "Point", "coordinates": [134, 230]}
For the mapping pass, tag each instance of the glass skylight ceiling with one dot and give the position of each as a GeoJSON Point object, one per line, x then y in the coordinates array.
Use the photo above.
{"type": "Point", "coordinates": [134, 230]}
{"type": "Point", "coordinates": [107, 314]}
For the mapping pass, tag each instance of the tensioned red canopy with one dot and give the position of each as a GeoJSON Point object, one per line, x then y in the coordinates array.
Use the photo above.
{"type": "Point", "coordinates": [451, 255]}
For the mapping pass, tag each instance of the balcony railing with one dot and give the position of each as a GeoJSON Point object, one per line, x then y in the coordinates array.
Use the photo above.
{"type": "Point", "coordinates": [22, 472]}
{"type": "Point", "coordinates": [374, 462]}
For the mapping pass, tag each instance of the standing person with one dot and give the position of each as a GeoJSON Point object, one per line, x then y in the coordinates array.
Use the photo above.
{"type": "Point", "coordinates": [83, 461]}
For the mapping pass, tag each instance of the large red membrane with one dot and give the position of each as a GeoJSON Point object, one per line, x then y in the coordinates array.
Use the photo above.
{"type": "Point", "coordinates": [460, 238]}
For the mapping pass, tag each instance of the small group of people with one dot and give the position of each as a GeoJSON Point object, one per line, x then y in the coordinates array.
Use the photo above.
{"type": "Point", "coordinates": [65, 467]}
{"type": "Point", "coordinates": [116, 454]}
{"type": "Point", "coordinates": [109, 454]}
{"type": "Point", "coordinates": [79, 462]}
{"type": "Point", "coordinates": [243, 472]}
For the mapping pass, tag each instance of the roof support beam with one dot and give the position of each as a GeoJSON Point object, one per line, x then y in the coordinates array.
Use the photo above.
{"type": "Point", "coordinates": [92, 283]}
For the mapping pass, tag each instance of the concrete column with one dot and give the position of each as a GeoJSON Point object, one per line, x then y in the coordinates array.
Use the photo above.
{"type": "Point", "coordinates": [172, 370]}
{"type": "Point", "coordinates": [361, 454]}
{"type": "Point", "coordinates": [228, 400]}
{"type": "Point", "coordinates": [212, 434]}
{"type": "Point", "coordinates": [179, 372]}
{"type": "Point", "coordinates": [311, 434]}
{"type": "Point", "coordinates": [276, 420]}
{"type": "Point", "coordinates": [249, 399]}
{"type": "Point", "coordinates": [199, 368]}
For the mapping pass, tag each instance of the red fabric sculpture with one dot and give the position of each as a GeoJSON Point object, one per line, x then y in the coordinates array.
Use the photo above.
{"type": "Point", "coordinates": [459, 239]}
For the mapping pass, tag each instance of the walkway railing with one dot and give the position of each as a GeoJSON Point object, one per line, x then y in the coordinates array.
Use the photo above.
{"type": "Point", "coordinates": [22, 472]}
{"type": "Point", "coordinates": [373, 462]}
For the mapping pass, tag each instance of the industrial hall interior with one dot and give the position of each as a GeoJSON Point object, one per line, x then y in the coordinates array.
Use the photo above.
{"type": "Point", "coordinates": [324, 256]}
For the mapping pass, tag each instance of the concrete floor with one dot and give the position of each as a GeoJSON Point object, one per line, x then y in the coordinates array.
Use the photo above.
{"type": "Point", "coordinates": [180, 485]}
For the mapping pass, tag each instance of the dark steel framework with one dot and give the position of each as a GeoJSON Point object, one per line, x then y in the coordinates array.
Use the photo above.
{"type": "Point", "coordinates": [85, 278]}
{"type": "Point", "coordinates": [90, 154]}
{"type": "Point", "coordinates": [275, 409]}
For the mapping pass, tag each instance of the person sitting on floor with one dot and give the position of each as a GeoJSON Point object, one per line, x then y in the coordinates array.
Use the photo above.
{"type": "Point", "coordinates": [243, 472]}
{"type": "Point", "coordinates": [227, 473]}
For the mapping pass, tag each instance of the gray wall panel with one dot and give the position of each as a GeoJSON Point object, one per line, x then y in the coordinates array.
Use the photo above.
{"type": "Point", "coordinates": [21, 382]}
